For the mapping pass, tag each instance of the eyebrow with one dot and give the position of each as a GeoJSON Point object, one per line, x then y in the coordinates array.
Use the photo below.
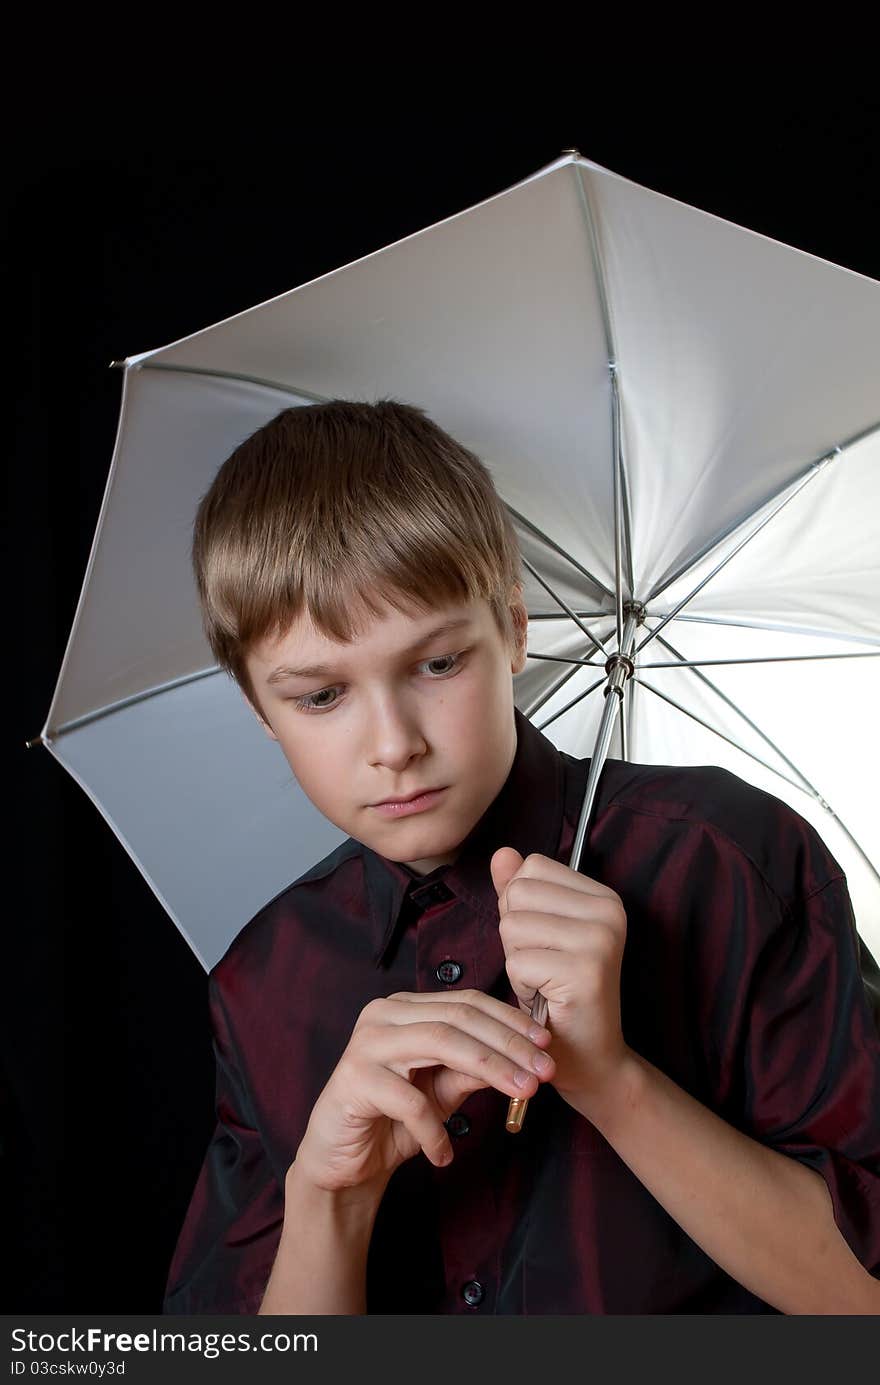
{"type": "Point", "coordinates": [326, 671]}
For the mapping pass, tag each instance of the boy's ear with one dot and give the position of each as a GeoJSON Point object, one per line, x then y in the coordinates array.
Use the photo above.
{"type": "Point", "coordinates": [520, 615]}
{"type": "Point", "coordinates": [265, 725]}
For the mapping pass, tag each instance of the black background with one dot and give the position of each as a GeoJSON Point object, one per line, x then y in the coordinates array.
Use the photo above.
{"type": "Point", "coordinates": [124, 232]}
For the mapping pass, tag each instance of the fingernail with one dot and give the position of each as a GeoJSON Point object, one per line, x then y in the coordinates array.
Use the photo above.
{"type": "Point", "coordinates": [542, 1061]}
{"type": "Point", "coordinates": [537, 1032]}
{"type": "Point", "coordinates": [522, 1079]}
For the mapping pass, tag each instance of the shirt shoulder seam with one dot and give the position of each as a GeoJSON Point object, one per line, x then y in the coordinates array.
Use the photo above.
{"type": "Point", "coordinates": [819, 888]}
{"type": "Point", "coordinates": [707, 825]}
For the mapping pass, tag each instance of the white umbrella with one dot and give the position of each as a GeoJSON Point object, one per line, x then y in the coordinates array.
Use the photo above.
{"type": "Point", "coordinates": [683, 417]}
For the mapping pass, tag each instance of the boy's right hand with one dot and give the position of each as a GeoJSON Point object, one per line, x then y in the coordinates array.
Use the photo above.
{"type": "Point", "coordinates": [412, 1059]}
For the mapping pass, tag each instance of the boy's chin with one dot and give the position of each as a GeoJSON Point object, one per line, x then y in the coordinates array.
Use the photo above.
{"type": "Point", "coordinates": [419, 852]}
{"type": "Point", "coordinates": [396, 851]}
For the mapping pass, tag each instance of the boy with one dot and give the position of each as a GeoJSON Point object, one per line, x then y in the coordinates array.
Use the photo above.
{"type": "Point", "coordinates": [706, 1137]}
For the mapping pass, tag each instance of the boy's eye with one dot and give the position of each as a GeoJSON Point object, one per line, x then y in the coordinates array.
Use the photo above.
{"type": "Point", "coordinates": [438, 659]}
{"type": "Point", "coordinates": [310, 702]}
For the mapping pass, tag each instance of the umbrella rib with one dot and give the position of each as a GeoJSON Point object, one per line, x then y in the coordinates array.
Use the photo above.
{"type": "Point", "coordinates": [109, 708]}
{"type": "Point", "coordinates": [545, 696]}
{"type": "Point", "coordinates": [810, 788]}
{"type": "Point", "coordinates": [622, 526]}
{"type": "Point", "coordinates": [556, 597]}
{"type": "Point", "coordinates": [618, 538]}
{"type": "Point", "coordinates": [598, 268]}
{"type": "Point", "coordinates": [627, 509]}
{"type": "Point", "coordinates": [811, 475]}
{"type": "Point", "coordinates": [566, 658]}
{"type": "Point", "coordinates": [570, 659]}
{"type": "Point", "coordinates": [715, 732]}
{"type": "Point", "coordinates": [552, 615]}
{"type": "Point", "coordinates": [573, 703]}
{"type": "Point", "coordinates": [811, 794]}
{"type": "Point", "coordinates": [747, 719]}
{"type": "Point", "coordinates": [766, 659]}
{"type": "Point", "coordinates": [557, 548]}
{"type": "Point", "coordinates": [236, 375]}
{"type": "Point", "coordinates": [717, 539]}
{"type": "Point", "coordinates": [783, 629]}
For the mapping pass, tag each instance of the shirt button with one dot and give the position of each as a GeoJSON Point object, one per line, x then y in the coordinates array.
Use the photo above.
{"type": "Point", "coordinates": [473, 1292]}
{"type": "Point", "coordinates": [457, 1124]}
{"type": "Point", "coordinates": [449, 972]}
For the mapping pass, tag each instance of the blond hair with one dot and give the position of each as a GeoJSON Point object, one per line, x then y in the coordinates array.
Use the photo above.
{"type": "Point", "coordinates": [328, 506]}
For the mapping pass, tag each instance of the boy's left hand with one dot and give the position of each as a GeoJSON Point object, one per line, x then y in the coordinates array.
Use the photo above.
{"type": "Point", "coordinates": [563, 935]}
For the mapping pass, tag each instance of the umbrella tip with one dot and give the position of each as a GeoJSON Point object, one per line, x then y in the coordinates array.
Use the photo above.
{"type": "Point", "coordinates": [116, 365]}
{"type": "Point", "coordinates": [38, 740]}
{"type": "Point", "coordinates": [576, 152]}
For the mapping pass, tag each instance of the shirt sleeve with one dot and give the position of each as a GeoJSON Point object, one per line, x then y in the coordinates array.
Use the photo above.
{"type": "Point", "coordinates": [812, 1076]}
{"type": "Point", "coordinates": [229, 1238]}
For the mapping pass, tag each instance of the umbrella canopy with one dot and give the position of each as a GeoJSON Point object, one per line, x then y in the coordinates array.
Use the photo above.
{"type": "Point", "coordinates": [683, 419]}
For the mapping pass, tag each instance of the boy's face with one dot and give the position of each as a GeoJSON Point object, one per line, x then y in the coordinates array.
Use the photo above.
{"type": "Point", "coordinates": [403, 713]}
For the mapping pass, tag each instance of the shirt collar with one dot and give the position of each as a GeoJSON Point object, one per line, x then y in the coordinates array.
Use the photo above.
{"type": "Point", "coordinates": [527, 813]}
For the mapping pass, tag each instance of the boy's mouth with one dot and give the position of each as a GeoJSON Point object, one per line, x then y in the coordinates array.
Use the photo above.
{"type": "Point", "coordinates": [416, 803]}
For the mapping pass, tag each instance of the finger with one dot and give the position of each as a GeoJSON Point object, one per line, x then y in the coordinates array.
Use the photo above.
{"type": "Point", "coordinates": [497, 1023]}
{"type": "Point", "coordinates": [547, 897]}
{"type": "Point", "coordinates": [533, 972]}
{"type": "Point", "coordinates": [522, 928]}
{"type": "Point", "coordinates": [419, 1045]}
{"type": "Point", "coordinates": [535, 1028]}
{"type": "Point", "coordinates": [490, 1005]}
{"type": "Point", "coordinates": [398, 1099]}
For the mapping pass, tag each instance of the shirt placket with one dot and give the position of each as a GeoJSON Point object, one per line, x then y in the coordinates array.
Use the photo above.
{"type": "Point", "coordinates": [447, 959]}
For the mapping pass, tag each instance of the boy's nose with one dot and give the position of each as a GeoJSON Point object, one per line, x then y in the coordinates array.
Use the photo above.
{"type": "Point", "coordinates": [395, 739]}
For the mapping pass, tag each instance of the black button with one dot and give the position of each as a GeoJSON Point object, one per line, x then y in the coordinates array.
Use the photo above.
{"type": "Point", "coordinates": [426, 895]}
{"type": "Point", "coordinates": [473, 1292]}
{"type": "Point", "coordinates": [457, 1124]}
{"type": "Point", "coordinates": [448, 972]}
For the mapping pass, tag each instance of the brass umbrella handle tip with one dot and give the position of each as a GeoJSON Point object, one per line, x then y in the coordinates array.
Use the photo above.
{"type": "Point", "coordinates": [516, 1113]}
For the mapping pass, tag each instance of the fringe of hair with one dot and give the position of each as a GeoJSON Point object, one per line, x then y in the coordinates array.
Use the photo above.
{"type": "Point", "coordinates": [336, 507]}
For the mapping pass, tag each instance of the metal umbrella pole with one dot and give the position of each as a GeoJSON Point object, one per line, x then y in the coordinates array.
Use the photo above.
{"type": "Point", "coordinates": [619, 668]}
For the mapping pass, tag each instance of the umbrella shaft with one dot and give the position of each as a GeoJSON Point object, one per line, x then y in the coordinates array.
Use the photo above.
{"type": "Point", "coordinates": [621, 670]}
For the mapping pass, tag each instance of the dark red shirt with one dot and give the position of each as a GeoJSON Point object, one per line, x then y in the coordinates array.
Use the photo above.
{"type": "Point", "coordinates": [741, 980]}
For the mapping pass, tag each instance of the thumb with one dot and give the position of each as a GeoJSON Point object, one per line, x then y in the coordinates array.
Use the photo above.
{"type": "Point", "coordinates": [503, 867]}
